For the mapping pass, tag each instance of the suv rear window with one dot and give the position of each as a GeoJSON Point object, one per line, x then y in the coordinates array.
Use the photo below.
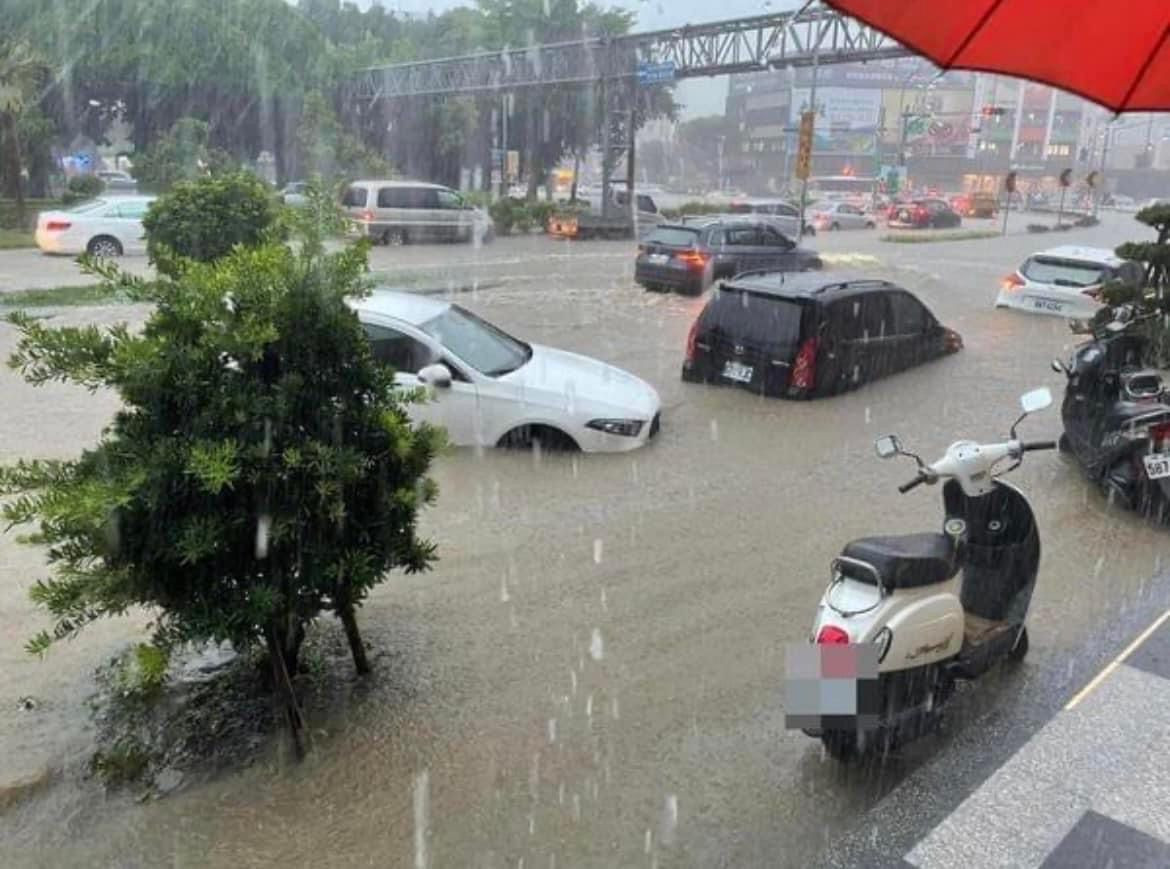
{"type": "Point", "coordinates": [354, 197]}
{"type": "Point", "coordinates": [674, 236]}
{"type": "Point", "coordinates": [754, 318]}
{"type": "Point", "coordinates": [1064, 272]}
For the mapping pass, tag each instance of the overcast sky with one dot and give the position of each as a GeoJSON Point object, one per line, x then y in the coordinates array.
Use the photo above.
{"type": "Point", "coordinates": [698, 96]}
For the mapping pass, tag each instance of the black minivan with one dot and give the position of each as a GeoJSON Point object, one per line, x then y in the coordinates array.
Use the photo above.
{"type": "Point", "coordinates": [807, 334]}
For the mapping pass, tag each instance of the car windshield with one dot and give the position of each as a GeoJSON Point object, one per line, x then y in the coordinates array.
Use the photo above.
{"type": "Point", "coordinates": [1064, 272]}
{"type": "Point", "coordinates": [481, 345]}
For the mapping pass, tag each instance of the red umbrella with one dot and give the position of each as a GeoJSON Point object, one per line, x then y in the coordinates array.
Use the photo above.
{"type": "Point", "coordinates": [1113, 52]}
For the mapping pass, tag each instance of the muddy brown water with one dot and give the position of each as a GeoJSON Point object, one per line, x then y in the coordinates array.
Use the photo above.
{"type": "Point", "coordinates": [592, 675]}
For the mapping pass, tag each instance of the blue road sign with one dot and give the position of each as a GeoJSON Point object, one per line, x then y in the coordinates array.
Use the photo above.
{"type": "Point", "coordinates": [655, 73]}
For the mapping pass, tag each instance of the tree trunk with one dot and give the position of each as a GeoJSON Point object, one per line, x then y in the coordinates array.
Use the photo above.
{"type": "Point", "coordinates": [576, 175]}
{"type": "Point", "coordinates": [280, 650]}
{"type": "Point", "coordinates": [12, 170]}
{"type": "Point", "coordinates": [356, 648]}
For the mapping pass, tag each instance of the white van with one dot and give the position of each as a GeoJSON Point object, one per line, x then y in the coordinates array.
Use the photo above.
{"type": "Point", "coordinates": [399, 212]}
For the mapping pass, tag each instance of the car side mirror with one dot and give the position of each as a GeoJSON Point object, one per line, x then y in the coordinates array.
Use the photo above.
{"type": "Point", "coordinates": [887, 446]}
{"type": "Point", "coordinates": [436, 374]}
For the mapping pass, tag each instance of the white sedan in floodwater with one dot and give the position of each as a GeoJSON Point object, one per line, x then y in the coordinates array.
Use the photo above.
{"type": "Point", "coordinates": [106, 227]}
{"type": "Point", "coordinates": [490, 389]}
{"type": "Point", "coordinates": [1064, 281]}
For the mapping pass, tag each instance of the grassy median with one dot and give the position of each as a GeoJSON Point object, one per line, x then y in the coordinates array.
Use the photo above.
{"type": "Point", "coordinates": [925, 237]}
{"type": "Point", "coordinates": [11, 239]}
{"type": "Point", "coordinates": [59, 297]}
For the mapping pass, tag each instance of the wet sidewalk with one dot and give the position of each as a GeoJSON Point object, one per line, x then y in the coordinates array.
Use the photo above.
{"type": "Point", "coordinates": [1089, 789]}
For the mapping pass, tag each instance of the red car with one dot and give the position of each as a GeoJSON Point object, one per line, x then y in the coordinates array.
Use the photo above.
{"type": "Point", "coordinates": [924, 214]}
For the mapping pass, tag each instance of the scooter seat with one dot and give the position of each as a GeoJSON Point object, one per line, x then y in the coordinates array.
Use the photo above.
{"type": "Point", "coordinates": [905, 561]}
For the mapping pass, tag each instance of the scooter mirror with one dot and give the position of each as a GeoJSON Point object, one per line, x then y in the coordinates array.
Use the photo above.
{"type": "Point", "coordinates": [887, 446]}
{"type": "Point", "coordinates": [1058, 366]}
{"type": "Point", "coordinates": [1037, 399]}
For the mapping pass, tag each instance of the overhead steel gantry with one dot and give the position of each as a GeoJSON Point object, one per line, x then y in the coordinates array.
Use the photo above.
{"type": "Point", "coordinates": [719, 48]}
{"type": "Point", "coordinates": [789, 39]}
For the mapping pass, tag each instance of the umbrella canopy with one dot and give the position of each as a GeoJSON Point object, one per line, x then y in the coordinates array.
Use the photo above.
{"type": "Point", "coordinates": [1113, 52]}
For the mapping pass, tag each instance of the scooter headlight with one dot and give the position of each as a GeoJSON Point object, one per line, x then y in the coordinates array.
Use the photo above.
{"type": "Point", "coordinates": [883, 639]}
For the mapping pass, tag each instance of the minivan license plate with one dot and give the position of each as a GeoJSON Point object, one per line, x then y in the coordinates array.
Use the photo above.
{"type": "Point", "coordinates": [737, 371]}
{"type": "Point", "coordinates": [1157, 466]}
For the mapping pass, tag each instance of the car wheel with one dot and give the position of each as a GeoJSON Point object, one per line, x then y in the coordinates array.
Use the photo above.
{"type": "Point", "coordinates": [869, 224]}
{"type": "Point", "coordinates": [394, 237]}
{"type": "Point", "coordinates": [104, 246]}
{"type": "Point", "coordinates": [542, 437]}
{"type": "Point", "coordinates": [835, 226]}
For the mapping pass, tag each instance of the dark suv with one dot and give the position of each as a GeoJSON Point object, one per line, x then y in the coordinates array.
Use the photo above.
{"type": "Point", "coordinates": [924, 214]}
{"type": "Point", "coordinates": [805, 335]}
{"type": "Point", "coordinates": [689, 257]}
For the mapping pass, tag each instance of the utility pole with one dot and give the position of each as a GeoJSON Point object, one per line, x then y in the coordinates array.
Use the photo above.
{"type": "Point", "coordinates": [812, 98]}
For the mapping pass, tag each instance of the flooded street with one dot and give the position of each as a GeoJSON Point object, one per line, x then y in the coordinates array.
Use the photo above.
{"type": "Point", "coordinates": [592, 674]}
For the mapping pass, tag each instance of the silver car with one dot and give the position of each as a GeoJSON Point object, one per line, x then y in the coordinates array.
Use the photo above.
{"type": "Point", "coordinates": [831, 216]}
{"type": "Point", "coordinates": [777, 212]}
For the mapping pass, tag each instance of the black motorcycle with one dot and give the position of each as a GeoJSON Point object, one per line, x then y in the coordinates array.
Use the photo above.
{"type": "Point", "coordinates": [1116, 416]}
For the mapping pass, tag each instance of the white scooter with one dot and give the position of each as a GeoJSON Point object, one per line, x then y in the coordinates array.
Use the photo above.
{"type": "Point", "coordinates": [936, 608]}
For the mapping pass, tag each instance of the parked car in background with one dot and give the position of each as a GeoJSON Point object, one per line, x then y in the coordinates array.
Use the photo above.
{"type": "Point", "coordinates": [294, 194]}
{"type": "Point", "coordinates": [924, 214]}
{"type": "Point", "coordinates": [109, 226]}
{"type": "Point", "coordinates": [490, 389]}
{"type": "Point", "coordinates": [1123, 203]}
{"type": "Point", "coordinates": [400, 212]}
{"type": "Point", "coordinates": [117, 181]}
{"type": "Point", "coordinates": [811, 334]}
{"type": "Point", "coordinates": [975, 204]}
{"type": "Point", "coordinates": [832, 216]}
{"type": "Point", "coordinates": [690, 256]}
{"type": "Point", "coordinates": [1064, 281]}
{"type": "Point", "coordinates": [779, 212]}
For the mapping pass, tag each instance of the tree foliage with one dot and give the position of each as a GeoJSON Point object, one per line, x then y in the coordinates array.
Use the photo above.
{"type": "Point", "coordinates": [204, 220]}
{"type": "Point", "coordinates": [1152, 293]}
{"type": "Point", "coordinates": [22, 70]}
{"type": "Point", "coordinates": [261, 471]}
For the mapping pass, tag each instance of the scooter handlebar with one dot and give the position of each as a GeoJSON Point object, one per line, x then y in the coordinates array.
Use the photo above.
{"type": "Point", "coordinates": [917, 481]}
{"type": "Point", "coordinates": [1031, 446]}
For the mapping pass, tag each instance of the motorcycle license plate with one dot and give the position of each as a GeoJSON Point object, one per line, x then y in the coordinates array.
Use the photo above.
{"type": "Point", "coordinates": [738, 372]}
{"type": "Point", "coordinates": [1157, 466]}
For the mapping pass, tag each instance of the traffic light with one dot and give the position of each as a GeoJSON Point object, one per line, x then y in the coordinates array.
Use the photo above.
{"type": "Point", "coordinates": [1009, 182]}
{"type": "Point", "coordinates": [1066, 178]}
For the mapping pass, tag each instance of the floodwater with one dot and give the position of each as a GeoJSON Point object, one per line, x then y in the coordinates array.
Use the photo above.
{"type": "Point", "coordinates": [592, 675]}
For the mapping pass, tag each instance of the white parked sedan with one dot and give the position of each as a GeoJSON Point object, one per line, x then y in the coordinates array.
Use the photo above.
{"type": "Point", "coordinates": [831, 216]}
{"type": "Point", "coordinates": [1064, 281]}
{"type": "Point", "coordinates": [109, 226]}
{"type": "Point", "coordinates": [488, 388]}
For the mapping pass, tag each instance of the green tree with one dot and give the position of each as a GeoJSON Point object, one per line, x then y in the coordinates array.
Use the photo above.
{"type": "Point", "coordinates": [183, 154]}
{"type": "Point", "coordinates": [261, 471]}
{"type": "Point", "coordinates": [204, 220]}
{"type": "Point", "coordinates": [21, 73]}
{"type": "Point", "coordinates": [1152, 293]}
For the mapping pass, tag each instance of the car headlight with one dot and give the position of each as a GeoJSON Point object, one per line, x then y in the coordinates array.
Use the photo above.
{"type": "Point", "coordinates": [625, 427]}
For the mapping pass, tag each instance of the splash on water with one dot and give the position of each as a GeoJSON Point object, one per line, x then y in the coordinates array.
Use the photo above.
{"type": "Point", "coordinates": [596, 645]}
{"type": "Point", "coordinates": [263, 528]}
{"type": "Point", "coordinates": [552, 730]}
{"type": "Point", "coordinates": [422, 810]}
{"type": "Point", "coordinates": [597, 550]}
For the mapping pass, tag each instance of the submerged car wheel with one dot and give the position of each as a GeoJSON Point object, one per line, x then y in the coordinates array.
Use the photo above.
{"type": "Point", "coordinates": [542, 437]}
{"type": "Point", "coordinates": [394, 237]}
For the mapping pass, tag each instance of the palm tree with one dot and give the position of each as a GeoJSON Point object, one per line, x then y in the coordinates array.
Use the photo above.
{"type": "Point", "coordinates": [21, 74]}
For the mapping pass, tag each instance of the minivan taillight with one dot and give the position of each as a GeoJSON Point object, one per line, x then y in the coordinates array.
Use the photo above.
{"type": "Point", "coordinates": [368, 216]}
{"type": "Point", "coordinates": [692, 336]}
{"type": "Point", "coordinates": [804, 370]}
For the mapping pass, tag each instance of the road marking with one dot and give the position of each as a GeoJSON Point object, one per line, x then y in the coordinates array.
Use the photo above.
{"type": "Point", "coordinates": [1113, 665]}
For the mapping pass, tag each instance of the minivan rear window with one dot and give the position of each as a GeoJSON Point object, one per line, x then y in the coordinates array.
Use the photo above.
{"type": "Point", "coordinates": [752, 318]}
{"type": "Point", "coordinates": [354, 197]}
{"type": "Point", "coordinates": [1064, 272]}
{"type": "Point", "coordinates": [674, 236]}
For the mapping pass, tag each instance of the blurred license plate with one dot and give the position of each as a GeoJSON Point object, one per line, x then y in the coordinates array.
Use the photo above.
{"type": "Point", "coordinates": [737, 371]}
{"type": "Point", "coordinates": [658, 258]}
{"type": "Point", "coordinates": [1157, 467]}
{"type": "Point", "coordinates": [1048, 305]}
{"type": "Point", "coordinates": [903, 215]}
